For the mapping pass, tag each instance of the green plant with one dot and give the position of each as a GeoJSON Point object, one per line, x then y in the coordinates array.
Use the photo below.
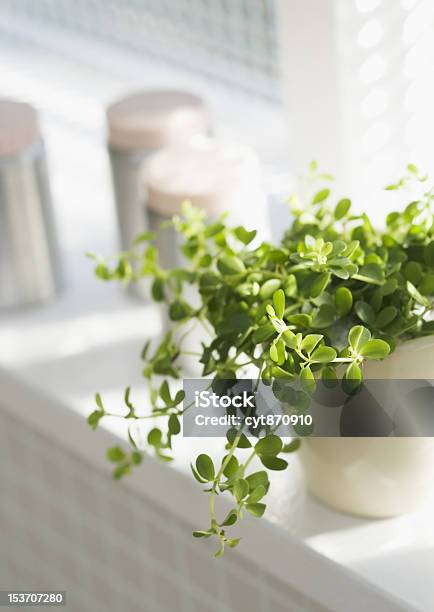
{"type": "Point", "coordinates": [335, 293]}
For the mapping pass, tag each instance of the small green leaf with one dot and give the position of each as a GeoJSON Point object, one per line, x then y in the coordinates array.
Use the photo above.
{"type": "Point", "coordinates": [426, 287]}
{"type": "Point", "coordinates": [231, 468]}
{"type": "Point", "coordinates": [221, 550]}
{"type": "Point", "coordinates": [270, 445]}
{"type": "Point", "coordinates": [281, 352]}
{"type": "Point", "coordinates": [385, 316]}
{"type": "Point", "coordinates": [136, 457]}
{"type": "Point", "coordinates": [420, 299]}
{"type": "Point", "coordinates": [241, 489]}
{"type": "Point", "coordinates": [270, 310]}
{"type": "Point", "coordinates": [337, 247]}
{"type": "Point", "coordinates": [310, 341]}
{"type": "Point", "coordinates": [324, 317]}
{"type": "Point", "coordinates": [290, 286]}
{"type": "Point", "coordinates": [280, 373]}
{"type": "Point", "coordinates": [197, 476]}
{"type": "Point", "coordinates": [269, 287]}
{"type": "Point", "coordinates": [202, 534]}
{"type": "Point", "coordinates": [279, 303]}
{"type": "Point", "coordinates": [209, 282]}
{"type": "Point", "coordinates": [365, 312]}
{"type": "Point", "coordinates": [157, 290]}
{"type": "Point", "coordinates": [256, 479]}
{"type": "Point", "coordinates": [263, 333]}
{"type": "Point", "coordinates": [358, 336]}
{"type": "Point", "coordinates": [389, 286]}
{"type": "Point", "coordinates": [343, 301]}
{"type": "Point", "coordinates": [144, 237]}
{"type": "Point", "coordinates": [278, 325]}
{"type": "Point", "coordinates": [229, 265]}
{"type": "Point", "coordinates": [205, 467]}
{"type": "Point", "coordinates": [307, 380]}
{"type": "Point", "coordinates": [174, 425]}
{"type": "Point", "coordinates": [300, 320]}
{"type": "Point", "coordinates": [236, 322]}
{"type": "Point", "coordinates": [94, 418]}
{"type": "Point", "coordinates": [323, 354]}
{"type": "Point", "coordinates": [273, 353]}
{"type": "Point", "coordinates": [429, 254]}
{"type": "Point", "coordinates": [256, 495]}
{"type": "Point", "coordinates": [98, 402]}
{"type": "Point", "coordinates": [274, 463]}
{"type": "Point", "coordinates": [165, 393]}
{"type": "Point", "coordinates": [413, 272]}
{"type": "Point", "coordinates": [342, 207]}
{"type": "Point", "coordinates": [329, 377]}
{"type": "Point", "coordinates": [128, 403]}
{"type": "Point", "coordinates": [179, 397]}
{"type": "Point", "coordinates": [256, 509]}
{"type": "Point", "coordinates": [164, 458]}
{"type": "Point", "coordinates": [292, 447]}
{"type": "Point", "coordinates": [372, 273]}
{"type": "Point", "coordinates": [375, 349]}
{"type": "Point", "coordinates": [115, 454]}
{"type": "Point", "coordinates": [243, 235]}
{"type": "Point", "coordinates": [179, 310]}
{"type": "Point", "coordinates": [321, 196]}
{"type": "Point", "coordinates": [213, 229]}
{"type": "Point", "coordinates": [289, 339]}
{"type": "Point", "coordinates": [318, 284]}
{"type": "Point", "coordinates": [353, 377]}
{"type": "Point", "coordinates": [102, 271]}
{"type": "Point", "coordinates": [243, 441]}
{"type": "Point", "coordinates": [233, 542]}
{"type": "Point", "coordinates": [230, 519]}
{"type": "Point", "coordinates": [154, 437]}
{"type": "Point", "coordinates": [121, 470]}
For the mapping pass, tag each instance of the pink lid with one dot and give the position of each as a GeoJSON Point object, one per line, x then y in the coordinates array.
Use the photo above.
{"type": "Point", "coordinates": [153, 119]}
{"type": "Point", "coordinates": [18, 127]}
{"type": "Point", "coordinates": [212, 174]}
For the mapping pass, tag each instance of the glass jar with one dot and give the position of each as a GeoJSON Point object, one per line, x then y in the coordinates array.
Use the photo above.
{"type": "Point", "coordinates": [215, 176]}
{"type": "Point", "coordinates": [29, 254]}
{"type": "Point", "coordinates": [139, 125]}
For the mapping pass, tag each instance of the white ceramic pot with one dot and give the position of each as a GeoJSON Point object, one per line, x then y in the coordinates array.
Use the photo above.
{"type": "Point", "coordinates": [376, 477]}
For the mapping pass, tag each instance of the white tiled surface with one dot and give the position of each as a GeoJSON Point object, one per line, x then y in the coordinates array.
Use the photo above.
{"type": "Point", "coordinates": [65, 525]}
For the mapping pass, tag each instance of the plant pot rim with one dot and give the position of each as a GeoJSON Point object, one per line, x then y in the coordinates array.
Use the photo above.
{"type": "Point", "coordinates": [421, 343]}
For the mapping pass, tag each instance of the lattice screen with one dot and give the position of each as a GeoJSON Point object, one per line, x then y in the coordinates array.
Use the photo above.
{"type": "Point", "coordinates": [65, 525]}
{"type": "Point", "coordinates": [358, 76]}
{"type": "Point", "coordinates": [362, 106]}
{"type": "Point", "coordinates": [229, 40]}
{"type": "Point", "coordinates": [386, 62]}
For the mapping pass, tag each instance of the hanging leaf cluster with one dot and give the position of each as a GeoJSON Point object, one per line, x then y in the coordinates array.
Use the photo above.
{"type": "Point", "coordinates": [333, 294]}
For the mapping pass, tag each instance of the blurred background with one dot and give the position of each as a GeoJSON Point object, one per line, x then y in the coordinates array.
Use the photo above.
{"type": "Point", "coordinates": [361, 67]}
{"type": "Point", "coordinates": [346, 82]}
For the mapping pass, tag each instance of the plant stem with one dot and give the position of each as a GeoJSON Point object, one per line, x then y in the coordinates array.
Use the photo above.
{"type": "Point", "coordinates": [219, 475]}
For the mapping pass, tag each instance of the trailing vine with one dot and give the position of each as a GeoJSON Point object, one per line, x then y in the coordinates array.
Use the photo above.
{"type": "Point", "coordinates": [334, 293]}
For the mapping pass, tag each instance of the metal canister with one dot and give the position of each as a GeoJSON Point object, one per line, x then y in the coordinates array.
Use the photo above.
{"type": "Point", "coordinates": [29, 259]}
{"type": "Point", "coordinates": [138, 125]}
{"type": "Point", "coordinates": [215, 176]}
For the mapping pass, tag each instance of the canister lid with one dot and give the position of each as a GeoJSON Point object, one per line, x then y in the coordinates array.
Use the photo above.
{"type": "Point", "coordinates": [18, 127]}
{"type": "Point", "coordinates": [211, 173]}
{"type": "Point", "coordinates": [154, 119]}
